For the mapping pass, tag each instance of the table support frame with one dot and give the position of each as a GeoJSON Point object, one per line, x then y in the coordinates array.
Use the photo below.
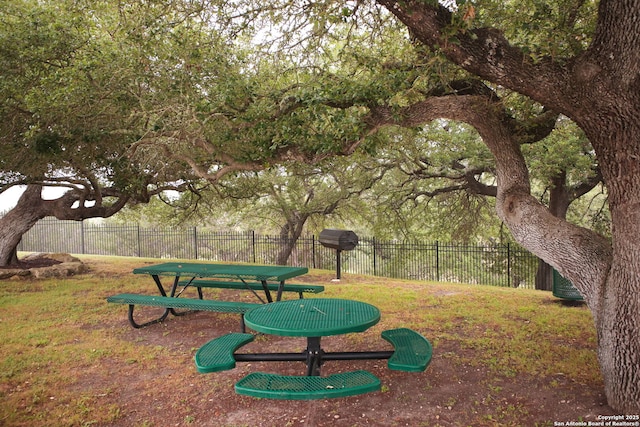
{"type": "Point", "coordinates": [314, 356]}
{"type": "Point", "coordinates": [172, 293]}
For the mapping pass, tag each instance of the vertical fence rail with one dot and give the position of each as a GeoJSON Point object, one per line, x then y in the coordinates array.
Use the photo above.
{"type": "Point", "coordinates": [498, 265]}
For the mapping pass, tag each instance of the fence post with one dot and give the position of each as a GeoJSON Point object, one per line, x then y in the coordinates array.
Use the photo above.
{"type": "Point", "coordinates": [313, 249]}
{"type": "Point", "coordinates": [253, 244]}
{"type": "Point", "coordinates": [375, 263]}
{"type": "Point", "coordinates": [437, 262]}
{"type": "Point", "coordinates": [82, 236]}
{"type": "Point", "coordinates": [138, 239]}
{"type": "Point", "coordinates": [509, 264]}
{"type": "Point", "coordinates": [195, 242]}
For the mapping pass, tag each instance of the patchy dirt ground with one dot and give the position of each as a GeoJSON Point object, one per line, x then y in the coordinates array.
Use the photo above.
{"type": "Point", "coordinates": [451, 392]}
{"type": "Point", "coordinates": [446, 394]}
{"type": "Point", "coordinates": [157, 384]}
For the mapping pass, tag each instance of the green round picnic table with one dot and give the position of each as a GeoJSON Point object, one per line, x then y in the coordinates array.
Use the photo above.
{"type": "Point", "coordinates": [313, 317]}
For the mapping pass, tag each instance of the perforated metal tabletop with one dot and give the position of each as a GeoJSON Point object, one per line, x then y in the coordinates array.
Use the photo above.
{"type": "Point", "coordinates": [231, 271]}
{"type": "Point", "coordinates": [313, 317]}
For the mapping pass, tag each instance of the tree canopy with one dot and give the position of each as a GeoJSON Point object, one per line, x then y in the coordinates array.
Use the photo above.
{"type": "Point", "coordinates": [202, 89]}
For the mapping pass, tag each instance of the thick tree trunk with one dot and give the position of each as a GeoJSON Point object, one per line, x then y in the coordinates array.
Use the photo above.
{"type": "Point", "coordinates": [617, 143]}
{"type": "Point", "coordinates": [290, 234]}
{"type": "Point", "coordinates": [607, 275]}
{"type": "Point", "coordinates": [618, 317]}
{"type": "Point", "coordinates": [31, 207]}
{"type": "Point", "coordinates": [18, 221]}
{"type": "Point", "coordinates": [600, 90]}
{"type": "Point", "coordinates": [619, 335]}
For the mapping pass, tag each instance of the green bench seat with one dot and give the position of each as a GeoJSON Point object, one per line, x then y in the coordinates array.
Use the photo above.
{"type": "Point", "coordinates": [217, 354]}
{"type": "Point", "coordinates": [412, 351]}
{"type": "Point", "coordinates": [184, 303]}
{"type": "Point", "coordinates": [563, 288]}
{"type": "Point", "coordinates": [256, 286]}
{"type": "Point", "coordinates": [272, 386]}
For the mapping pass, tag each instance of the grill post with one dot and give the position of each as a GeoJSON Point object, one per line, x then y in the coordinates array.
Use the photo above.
{"type": "Point", "coordinates": [340, 240]}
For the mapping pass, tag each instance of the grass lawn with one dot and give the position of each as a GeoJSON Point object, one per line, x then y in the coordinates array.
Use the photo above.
{"type": "Point", "coordinates": [501, 357]}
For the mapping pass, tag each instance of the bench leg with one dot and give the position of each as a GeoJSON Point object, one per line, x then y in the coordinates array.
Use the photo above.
{"type": "Point", "coordinates": [142, 325]}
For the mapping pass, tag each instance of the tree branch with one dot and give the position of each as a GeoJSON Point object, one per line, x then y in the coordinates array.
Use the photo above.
{"type": "Point", "coordinates": [484, 52]}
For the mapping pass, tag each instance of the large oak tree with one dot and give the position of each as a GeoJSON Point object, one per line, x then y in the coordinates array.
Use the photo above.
{"type": "Point", "coordinates": [85, 88]}
{"type": "Point", "coordinates": [580, 59]}
{"type": "Point", "coordinates": [599, 89]}
{"type": "Point", "coordinates": [590, 74]}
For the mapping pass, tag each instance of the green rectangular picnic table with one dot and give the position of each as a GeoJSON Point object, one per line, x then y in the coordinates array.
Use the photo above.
{"type": "Point", "coordinates": [261, 273]}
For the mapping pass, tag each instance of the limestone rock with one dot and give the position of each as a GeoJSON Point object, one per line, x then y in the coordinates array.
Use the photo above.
{"type": "Point", "coordinates": [42, 266]}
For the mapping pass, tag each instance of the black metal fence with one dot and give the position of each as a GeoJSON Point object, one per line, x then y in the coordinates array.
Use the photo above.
{"type": "Point", "coordinates": [498, 265]}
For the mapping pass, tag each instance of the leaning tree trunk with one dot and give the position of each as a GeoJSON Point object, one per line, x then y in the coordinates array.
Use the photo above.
{"type": "Point", "coordinates": [559, 202]}
{"type": "Point", "coordinates": [31, 207]}
{"type": "Point", "coordinates": [18, 221]}
{"type": "Point", "coordinates": [599, 89]}
{"type": "Point", "coordinates": [607, 275]}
